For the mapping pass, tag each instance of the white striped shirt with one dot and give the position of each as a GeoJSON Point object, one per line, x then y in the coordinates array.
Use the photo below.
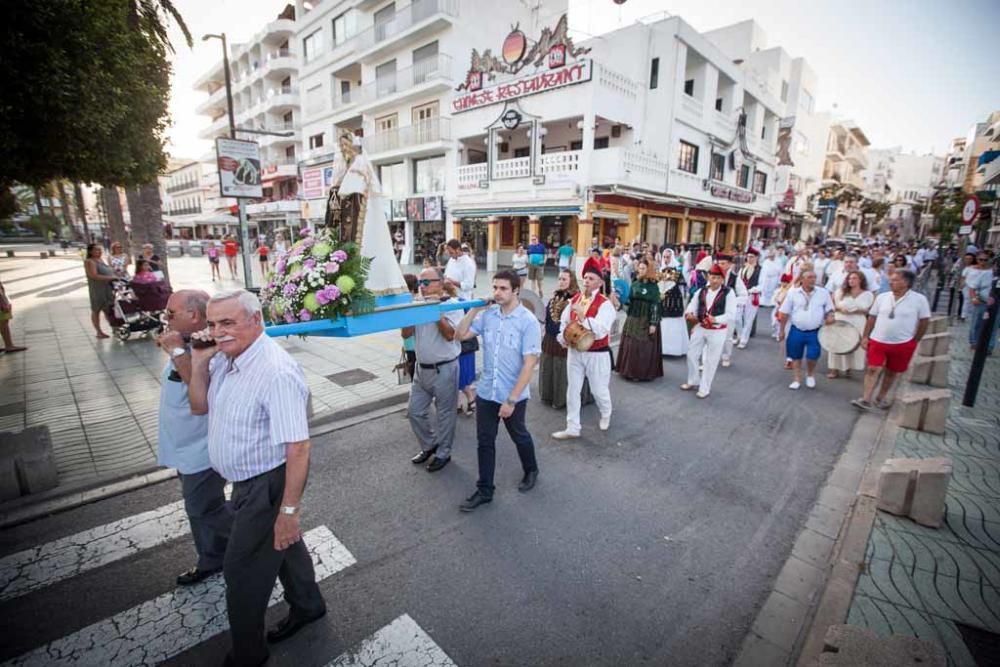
{"type": "Point", "coordinates": [256, 404]}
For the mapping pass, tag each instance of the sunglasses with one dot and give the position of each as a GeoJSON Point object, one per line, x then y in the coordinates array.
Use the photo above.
{"type": "Point", "coordinates": [424, 282]}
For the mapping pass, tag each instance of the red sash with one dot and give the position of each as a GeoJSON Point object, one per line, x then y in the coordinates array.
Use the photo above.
{"type": "Point", "coordinates": [595, 305]}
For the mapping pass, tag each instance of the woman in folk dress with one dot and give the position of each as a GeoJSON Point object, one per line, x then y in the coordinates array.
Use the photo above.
{"type": "Point", "coordinates": [851, 303]}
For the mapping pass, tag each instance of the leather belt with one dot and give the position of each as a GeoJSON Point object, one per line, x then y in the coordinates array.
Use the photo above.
{"type": "Point", "coordinates": [437, 365]}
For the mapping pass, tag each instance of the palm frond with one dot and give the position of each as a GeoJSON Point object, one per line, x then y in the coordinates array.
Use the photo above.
{"type": "Point", "coordinates": [179, 20]}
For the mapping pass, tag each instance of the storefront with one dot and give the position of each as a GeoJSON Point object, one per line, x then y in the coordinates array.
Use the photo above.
{"type": "Point", "coordinates": [766, 228]}
{"type": "Point", "coordinates": [475, 232]}
{"type": "Point", "coordinates": [426, 216]}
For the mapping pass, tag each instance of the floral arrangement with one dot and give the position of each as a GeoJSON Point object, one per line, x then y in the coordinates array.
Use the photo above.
{"type": "Point", "coordinates": [318, 278]}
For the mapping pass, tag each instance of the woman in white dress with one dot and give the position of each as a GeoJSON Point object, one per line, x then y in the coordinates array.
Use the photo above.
{"type": "Point", "coordinates": [673, 327]}
{"type": "Point", "coordinates": [770, 275]}
{"type": "Point", "coordinates": [851, 303]}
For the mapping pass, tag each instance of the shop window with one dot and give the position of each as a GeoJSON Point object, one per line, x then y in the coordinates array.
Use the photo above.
{"type": "Point", "coordinates": [696, 232]}
{"type": "Point", "coordinates": [688, 158]}
{"type": "Point", "coordinates": [507, 233]}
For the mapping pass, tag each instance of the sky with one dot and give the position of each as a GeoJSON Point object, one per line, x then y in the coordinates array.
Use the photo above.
{"type": "Point", "coordinates": [911, 73]}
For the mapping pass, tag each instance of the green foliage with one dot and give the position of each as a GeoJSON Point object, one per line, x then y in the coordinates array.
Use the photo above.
{"type": "Point", "coordinates": [946, 207]}
{"type": "Point", "coordinates": [44, 223]}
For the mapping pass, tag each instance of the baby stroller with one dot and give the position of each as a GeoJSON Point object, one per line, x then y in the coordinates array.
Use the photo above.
{"type": "Point", "coordinates": [138, 308]}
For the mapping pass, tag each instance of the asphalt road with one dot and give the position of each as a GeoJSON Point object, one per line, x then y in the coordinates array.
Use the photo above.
{"type": "Point", "coordinates": [653, 543]}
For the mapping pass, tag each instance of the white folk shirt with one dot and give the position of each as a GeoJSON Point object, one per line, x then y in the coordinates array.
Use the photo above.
{"type": "Point", "coordinates": [727, 318]}
{"type": "Point", "coordinates": [807, 311]}
{"type": "Point", "coordinates": [902, 327]}
{"type": "Point", "coordinates": [600, 324]}
{"type": "Point", "coordinates": [463, 270]}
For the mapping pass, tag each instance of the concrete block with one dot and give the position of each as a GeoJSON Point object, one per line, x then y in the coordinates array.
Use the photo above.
{"type": "Point", "coordinates": [850, 646]}
{"type": "Point", "coordinates": [26, 462]}
{"type": "Point", "coordinates": [194, 250]}
{"type": "Point", "coordinates": [10, 253]}
{"type": "Point", "coordinates": [9, 487]}
{"type": "Point", "coordinates": [934, 344]}
{"type": "Point", "coordinates": [925, 410]}
{"type": "Point", "coordinates": [915, 488]}
{"type": "Point", "coordinates": [920, 369]}
{"type": "Point", "coordinates": [43, 255]}
{"type": "Point", "coordinates": [174, 251]}
{"type": "Point", "coordinates": [931, 371]}
{"type": "Point", "coordinates": [940, 371]}
{"type": "Point", "coordinates": [938, 324]}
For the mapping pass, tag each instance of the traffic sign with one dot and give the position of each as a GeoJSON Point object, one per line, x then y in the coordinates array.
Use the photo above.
{"type": "Point", "coordinates": [965, 230]}
{"type": "Point", "coordinates": [970, 209]}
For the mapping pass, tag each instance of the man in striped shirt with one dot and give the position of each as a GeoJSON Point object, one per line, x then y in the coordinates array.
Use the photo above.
{"type": "Point", "coordinates": [255, 396]}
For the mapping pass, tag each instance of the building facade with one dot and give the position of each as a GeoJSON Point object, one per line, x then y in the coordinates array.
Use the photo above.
{"type": "Point", "coordinates": [841, 190]}
{"type": "Point", "coordinates": [907, 182]}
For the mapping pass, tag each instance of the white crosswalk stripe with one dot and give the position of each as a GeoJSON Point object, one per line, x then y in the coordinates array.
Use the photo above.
{"type": "Point", "coordinates": [32, 569]}
{"type": "Point", "coordinates": [174, 622]}
{"type": "Point", "coordinates": [402, 643]}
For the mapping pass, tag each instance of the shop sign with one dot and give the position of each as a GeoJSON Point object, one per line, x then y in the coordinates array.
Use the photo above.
{"type": "Point", "coordinates": [313, 182]}
{"type": "Point", "coordinates": [239, 168]}
{"type": "Point", "coordinates": [579, 72]}
{"type": "Point", "coordinates": [732, 194]}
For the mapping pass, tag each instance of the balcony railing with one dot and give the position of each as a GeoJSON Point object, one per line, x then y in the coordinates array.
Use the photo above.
{"type": "Point", "coordinates": [422, 71]}
{"type": "Point", "coordinates": [470, 175]}
{"type": "Point", "coordinates": [423, 132]}
{"type": "Point", "coordinates": [187, 185]}
{"type": "Point", "coordinates": [691, 105]}
{"type": "Point", "coordinates": [280, 53]}
{"type": "Point", "coordinates": [190, 210]}
{"type": "Point", "coordinates": [405, 18]}
{"type": "Point", "coordinates": [519, 167]}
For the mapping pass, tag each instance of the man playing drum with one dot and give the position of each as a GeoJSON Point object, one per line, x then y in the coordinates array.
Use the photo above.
{"type": "Point", "coordinates": [713, 311]}
{"type": "Point", "coordinates": [807, 307]}
{"type": "Point", "coordinates": [592, 312]}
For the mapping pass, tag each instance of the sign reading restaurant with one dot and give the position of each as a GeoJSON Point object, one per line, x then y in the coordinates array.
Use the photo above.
{"type": "Point", "coordinates": [578, 72]}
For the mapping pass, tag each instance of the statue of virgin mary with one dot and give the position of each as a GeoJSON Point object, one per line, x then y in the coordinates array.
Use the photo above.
{"type": "Point", "coordinates": [356, 213]}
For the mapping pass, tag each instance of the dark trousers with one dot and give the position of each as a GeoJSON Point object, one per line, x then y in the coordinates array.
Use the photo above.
{"type": "Point", "coordinates": [487, 425]}
{"type": "Point", "coordinates": [252, 564]}
{"type": "Point", "coordinates": [210, 515]}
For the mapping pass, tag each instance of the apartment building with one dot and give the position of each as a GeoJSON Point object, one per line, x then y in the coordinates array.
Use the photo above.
{"type": "Point", "coordinates": [981, 147]}
{"type": "Point", "coordinates": [839, 199]}
{"type": "Point", "coordinates": [802, 130]}
{"type": "Point", "coordinates": [264, 78]}
{"type": "Point", "coordinates": [907, 182]}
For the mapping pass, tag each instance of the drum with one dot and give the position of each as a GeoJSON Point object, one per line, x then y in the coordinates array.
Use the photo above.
{"type": "Point", "coordinates": [839, 337]}
{"type": "Point", "coordinates": [578, 337]}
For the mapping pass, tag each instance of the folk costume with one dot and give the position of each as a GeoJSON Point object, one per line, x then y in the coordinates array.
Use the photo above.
{"type": "Point", "coordinates": [750, 277]}
{"type": "Point", "coordinates": [673, 328]}
{"type": "Point", "coordinates": [552, 375]}
{"type": "Point", "coordinates": [741, 296]}
{"type": "Point", "coordinates": [639, 353]}
{"type": "Point", "coordinates": [715, 311]}
{"type": "Point", "coordinates": [593, 365]}
{"type": "Point", "coordinates": [770, 275]}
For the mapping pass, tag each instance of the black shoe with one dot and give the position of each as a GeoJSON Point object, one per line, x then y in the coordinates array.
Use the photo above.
{"type": "Point", "coordinates": [194, 576]}
{"type": "Point", "coordinates": [290, 625]}
{"type": "Point", "coordinates": [528, 483]}
{"type": "Point", "coordinates": [437, 464]}
{"type": "Point", "coordinates": [230, 661]}
{"type": "Point", "coordinates": [423, 456]}
{"type": "Point", "coordinates": [475, 500]}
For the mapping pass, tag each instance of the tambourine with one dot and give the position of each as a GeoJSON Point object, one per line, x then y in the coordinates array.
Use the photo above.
{"type": "Point", "coordinates": [839, 337]}
{"type": "Point", "coordinates": [578, 337]}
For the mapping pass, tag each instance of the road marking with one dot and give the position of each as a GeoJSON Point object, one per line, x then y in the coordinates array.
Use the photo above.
{"type": "Point", "coordinates": [159, 629]}
{"type": "Point", "coordinates": [41, 566]}
{"type": "Point", "coordinates": [402, 642]}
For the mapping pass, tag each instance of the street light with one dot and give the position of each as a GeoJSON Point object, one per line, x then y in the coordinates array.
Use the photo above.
{"type": "Point", "coordinates": [229, 85]}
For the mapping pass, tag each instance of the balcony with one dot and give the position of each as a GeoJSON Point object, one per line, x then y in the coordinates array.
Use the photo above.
{"type": "Point", "coordinates": [856, 156]}
{"type": "Point", "coordinates": [218, 128]}
{"type": "Point", "coordinates": [285, 167]}
{"type": "Point", "coordinates": [409, 138]}
{"type": "Point", "coordinates": [281, 99]}
{"type": "Point", "coordinates": [281, 60]}
{"type": "Point", "coordinates": [628, 166]}
{"type": "Point", "coordinates": [470, 175]}
{"type": "Point", "coordinates": [410, 23]}
{"type": "Point", "coordinates": [180, 187]}
{"type": "Point", "coordinates": [425, 76]}
{"type": "Point", "coordinates": [280, 27]}
{"type": "Point", "coordinates": [281, 206]}
{"type": "Point", "coordinates": [690, 110]}
{"type": "Point", "coordinates": [836, 149]}
{"type": "Point", "coordinates": [216, 101]}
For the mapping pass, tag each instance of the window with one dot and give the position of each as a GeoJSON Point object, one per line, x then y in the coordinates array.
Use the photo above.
{"type": "Point", "coordinates": [385, 78]}
{"type": "Point", "coordinates": [784, 91]}
{"type": "Point", "coordinates": [806, 101]}
{"type": "Point", "coordinates": [718, 171]}
{"type": "Point", "coordinates": [316, 141]}
{"type": "Point", "coordinates": [688, 159]}
{"type": "Point", "coordinates": [425, 62]}
{"type": "Point", "coordinates": [522, 152]}
{"type": "Point", "coordinates": [345, 92]}
{"type": "Point", "coordinates": [600, 142]}
{"type": "Point", "coordinates": [425, 112]}
{"type": "Point", "coordinates": [428, 175]}
{"type": "Point", "coordinates": [696, 232]}
{"type": "Point", "coordinates": [383, 21]}
{"type": "Point", "coordinates": [743, 178]}
{"type": "Point", "coordinates": [689, 87]}
{"type": "Point", "coordinates": [386, 123]}
{"type": "Point", "coordinates": [312, 45]}
{"type": "Point", "coordinates": [654, 73]}
{"type": "Point", "coordinates": [576, 145]}
{"type": "Point", "coordinates": [393, 179]}
{"type": "Point", "coordinates": [759, 182]}
{"type": "Point", "coordinates": [763, 130]}
{"type": "Point", "coordinates": [345, 26]}
{"type": "Point", "coordinates": [718, 104]}
{"type": "Point", "coordinates": [290, 152]}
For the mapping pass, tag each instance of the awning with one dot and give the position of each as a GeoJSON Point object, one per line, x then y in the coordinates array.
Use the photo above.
{"type": "Point", "coordinates": [609, 215]}
{"type": "Point", "coordinates": [987, 157]}
{"type": "Point", "coordinates": [767, 223]}
{"type": "Point", "coordinates": [218, 219]}
{"type": "Point", "coordinates": [516, 211]}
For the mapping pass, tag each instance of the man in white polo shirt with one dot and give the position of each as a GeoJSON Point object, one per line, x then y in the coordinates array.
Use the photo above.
{"type": "Point", "coordinates": [896, 322]}
{"type": "Point", "coordinates": [807, 307]}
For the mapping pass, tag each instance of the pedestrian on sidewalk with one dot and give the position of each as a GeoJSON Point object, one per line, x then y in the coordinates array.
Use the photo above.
{"type": "Point", "coordinates": [231, 249]}
{"type": "Point", "coordinates": [99, 279]}
{"type": "Point", "coordinates": [807, 308]}
{"type": "Point", "coordinates": [896, 322]}
{"type": "Point", "coordinates": [436, 378]}
{"type": "Point", "coordinates": [979, 286]}
{"type": "Point", "coordinates": [536, 265]}
{"type": "Point", "coordinates": [255, 396]}
{"type": "Point", "coordinates": [262, 256]}
{"type": "Point", "coordinates": [150, 256]}
{"type": "Point", "coordinates": [183, 439]}
{"type": "Point", "coordinates": [119, 259]}
{"type": "Point", "coordinates": [565, 254]}
{"type": "Point", "coordinates": [511, 344]}
{"type": "Point", "coordinates": [712, 311]}
{"type": "Point", "coordinates": [6, 315]}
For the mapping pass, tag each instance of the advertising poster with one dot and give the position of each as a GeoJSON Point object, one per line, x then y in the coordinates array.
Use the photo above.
{"type": "Point", "coordinates": [312, 183]}
{"type": "Point", "coordinates": [432, 208]}
{"type": "Point", "coordinates": [415, 209]}
{"type": "Point", "coordinates": [239, 168]}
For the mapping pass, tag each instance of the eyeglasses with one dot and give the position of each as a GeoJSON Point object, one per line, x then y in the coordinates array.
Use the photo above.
{"type": "Point", "coordinates": [424, 282]}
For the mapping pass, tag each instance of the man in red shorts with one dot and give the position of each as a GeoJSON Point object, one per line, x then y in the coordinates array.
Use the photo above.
{"type": "Point", "coordinates": [896, 322]}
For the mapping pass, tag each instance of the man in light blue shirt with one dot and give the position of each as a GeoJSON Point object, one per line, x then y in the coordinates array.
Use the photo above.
{"type": "Point", "coordinates": [183, 440]}
{"type": "Point", "coordinates": [512, 343]}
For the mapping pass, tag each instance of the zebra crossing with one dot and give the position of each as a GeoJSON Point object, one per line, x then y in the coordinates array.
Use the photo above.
{"type": "Point", "coordinates": [169, 624]}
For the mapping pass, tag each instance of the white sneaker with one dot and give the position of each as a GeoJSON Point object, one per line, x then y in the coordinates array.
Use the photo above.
{"type": "Point", "coordinates": [741, 346]}
{"type": "Point", "coordinates": [605, 423]}
{"type": "Point", "coordinates": [810, 382]}
{"type": "Point", "coordinates": [702, 394]}
{"type": "Point", "coordinates": [565, 435]}
{"type": "Point", "coordinates": [726, 363]}
{"type": "Point", "coordinates": [795, 385]}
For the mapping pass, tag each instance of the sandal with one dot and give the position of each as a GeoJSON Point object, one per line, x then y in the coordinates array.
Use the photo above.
{"type": "Point", "coordinates": [833, 375]}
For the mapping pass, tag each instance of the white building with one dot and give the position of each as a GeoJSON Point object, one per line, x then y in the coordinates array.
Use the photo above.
{"type": "Point", "coordinates": [266, 98]}
{"type": "Point", "coordinates": [805, 129]}
{"type": "Point", "coordinates": [907, 182]}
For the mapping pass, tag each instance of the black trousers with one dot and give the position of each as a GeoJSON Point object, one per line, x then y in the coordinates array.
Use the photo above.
{"type": "Point", "coordinates": [252, 565]}
{"type": "Point", "coordinates": [211, 517]}
{"type": "Point", "coordinates": [487, 425]}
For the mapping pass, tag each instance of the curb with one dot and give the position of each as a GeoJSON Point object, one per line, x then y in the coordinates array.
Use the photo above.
{"type": "Point", "coordinates": [58, 500]}
{"type": "Point", "coordinates": [815, 586]}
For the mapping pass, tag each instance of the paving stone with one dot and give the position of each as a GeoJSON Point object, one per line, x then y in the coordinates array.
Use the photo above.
{"type": "Point", "coordinates": [780, 620]}
{"type": "Point", "coordinates": [813, 548]}
{"type": "Point", "coordinates": [758, 652]}
{"type": "Point", "coordinates": [850, 646]}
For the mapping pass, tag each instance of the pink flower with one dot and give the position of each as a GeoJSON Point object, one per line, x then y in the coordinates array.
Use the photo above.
{"type": "Point", "coordinates": [309, 264]}
{"type": "Point", "coordinates": [304, 232]}
{"type": "Point", "coordinates": [327, 294]}
{"type": "Point", "coordinates": [289, 318]}
{"type": "Point", "coordinates": [332, 267]}
{"type": "Point", "coordinates": [305, 315]}
{"type": "Point", "coordinates": [339, 256]}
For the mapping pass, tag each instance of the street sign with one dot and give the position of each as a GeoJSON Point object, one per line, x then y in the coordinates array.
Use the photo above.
{"type": "Point", "coordinates": [239, 168]}
{"type": "Point", "coordinates": [970, 210]}
{"type": "Point", "coordinates": [965, 230]}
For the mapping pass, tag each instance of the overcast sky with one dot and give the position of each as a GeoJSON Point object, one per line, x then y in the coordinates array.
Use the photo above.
{"type": "Point", "coordinates": [912, 73]}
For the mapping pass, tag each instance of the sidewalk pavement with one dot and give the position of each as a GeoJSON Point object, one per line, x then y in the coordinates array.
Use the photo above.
{"type": "Point", "coordinates": [99, 398]}
{"type": "Point", "coordinates": [944, 584]}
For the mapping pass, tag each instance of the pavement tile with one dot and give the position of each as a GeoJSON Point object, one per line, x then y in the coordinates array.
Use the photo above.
{"type": "Point", "coordinates": [758, 652]}
{"type": "Point", "coordinates": [800, 580]}
{"type": "Point", "coordinates": [813, 548]}
{"type": "Point", "coordinates": [825, 520]}
{"type": "Point", "coordinates": [958, 599]}
{"type": "Point", "coordinates": [780, 620]}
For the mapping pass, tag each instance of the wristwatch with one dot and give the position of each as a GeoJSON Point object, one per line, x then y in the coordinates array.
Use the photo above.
{"type": "Point", "coordinates": [289, 509]}
{"type": "Point", "coordinates": [178, 352]}
{"type": "Point", "coordinates": [510, 402]}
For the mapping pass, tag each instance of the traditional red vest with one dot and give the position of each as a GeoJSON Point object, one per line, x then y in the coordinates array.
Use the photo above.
{"type": "Point", "coordinates": [595, 305]}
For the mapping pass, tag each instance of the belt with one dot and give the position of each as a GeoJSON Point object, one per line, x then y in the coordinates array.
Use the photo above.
{"type": "Point", "coordinates": [805, 330]}
{"type": "Point", "coordinates": [438, 364]}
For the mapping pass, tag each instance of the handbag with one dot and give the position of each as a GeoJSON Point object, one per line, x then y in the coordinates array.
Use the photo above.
{"type": "Point", "coordinates": [403, 369]}
{"type": "Point", "coordinates": [470, 345]}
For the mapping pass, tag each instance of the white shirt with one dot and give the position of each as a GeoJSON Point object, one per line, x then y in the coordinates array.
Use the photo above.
{"type": "Point", "coordinates": [463, 270]}
{"type": "Point", "coordinates": [600, 324]}
{"type": "Point", "coordinates": [902, 327]}
{"type": "Point", "coordinates": [807, 310]}
{"type": "Point", "coordinates": [865, 262]}
{"type": "Point", "coordinates": [727, 318]}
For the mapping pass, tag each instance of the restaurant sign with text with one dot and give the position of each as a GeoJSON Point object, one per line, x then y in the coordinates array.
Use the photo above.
{"type": "Point", "coordinates": [578, 72]}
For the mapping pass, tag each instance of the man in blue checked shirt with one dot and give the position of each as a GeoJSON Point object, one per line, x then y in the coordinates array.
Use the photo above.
{"type": "Point", "coordinates": [512, 342]}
